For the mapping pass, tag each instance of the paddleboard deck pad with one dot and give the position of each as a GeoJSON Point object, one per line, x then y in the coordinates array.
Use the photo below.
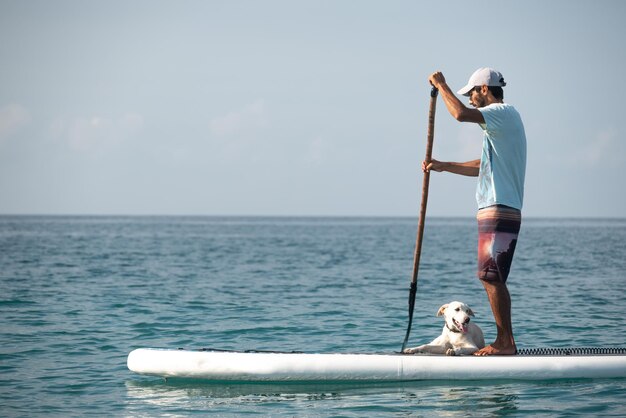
{"type": "Point", "coordinates": [260, 366]}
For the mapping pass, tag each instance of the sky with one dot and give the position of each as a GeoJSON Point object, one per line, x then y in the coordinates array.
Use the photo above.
{"type": "Point", "coordinates": [300, 108]}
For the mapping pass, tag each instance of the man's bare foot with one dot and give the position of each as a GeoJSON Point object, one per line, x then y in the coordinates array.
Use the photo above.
{"type": "Point", "coordinates": [491, 350]}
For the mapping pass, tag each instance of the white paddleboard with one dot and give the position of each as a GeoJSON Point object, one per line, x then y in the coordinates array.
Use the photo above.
{"type": "Point", "coordinates": [303, 367]}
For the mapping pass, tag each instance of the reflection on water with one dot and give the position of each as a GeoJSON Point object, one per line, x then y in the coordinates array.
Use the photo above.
{"type": "Point", "coordinates": [421, 396]}
{"type": "Point", "coordinates": [425, 398]}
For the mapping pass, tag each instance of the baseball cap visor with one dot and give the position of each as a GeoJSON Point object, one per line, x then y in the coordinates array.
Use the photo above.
{"type": "Point", "coordinates": [465, 91]}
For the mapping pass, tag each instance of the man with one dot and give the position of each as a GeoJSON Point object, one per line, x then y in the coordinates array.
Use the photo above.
{"type": "Point", "coordinates": [500, 191]}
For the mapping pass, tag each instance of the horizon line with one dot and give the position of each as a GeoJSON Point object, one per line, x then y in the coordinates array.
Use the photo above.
{"type": "Point", "coordinates": [298, 216]}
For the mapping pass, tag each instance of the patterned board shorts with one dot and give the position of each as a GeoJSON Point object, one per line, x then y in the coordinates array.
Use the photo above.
{"type": "Point", "coordinates": [498, 228]}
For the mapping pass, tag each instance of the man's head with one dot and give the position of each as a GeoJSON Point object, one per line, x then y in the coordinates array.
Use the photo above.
{"type": "Point", "coordinates": [484, 87]}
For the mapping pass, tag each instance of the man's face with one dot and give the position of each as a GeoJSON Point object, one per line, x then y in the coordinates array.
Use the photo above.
{"type": "Point", "coordinates": [477, 98]}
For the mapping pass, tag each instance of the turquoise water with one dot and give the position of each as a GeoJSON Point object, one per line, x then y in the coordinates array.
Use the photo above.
{"type": "Point", "coordinates": [77, 294]}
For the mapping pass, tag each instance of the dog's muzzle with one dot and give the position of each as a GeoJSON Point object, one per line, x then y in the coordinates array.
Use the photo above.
{"type": "Point", "coordinates": [460, 327]}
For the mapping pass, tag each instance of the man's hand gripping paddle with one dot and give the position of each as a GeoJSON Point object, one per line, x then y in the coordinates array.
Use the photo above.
{"type": "Point", "coordinates": [420, 225]}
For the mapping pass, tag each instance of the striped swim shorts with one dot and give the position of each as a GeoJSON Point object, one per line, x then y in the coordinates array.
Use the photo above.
{"type": "Point", "coordinates": [498, 228]}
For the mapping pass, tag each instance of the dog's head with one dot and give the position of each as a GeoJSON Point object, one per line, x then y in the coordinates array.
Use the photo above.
{"type": "Point", "coordinates": [457, 316]}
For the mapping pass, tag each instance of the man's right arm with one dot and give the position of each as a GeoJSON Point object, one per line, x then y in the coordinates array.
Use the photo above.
{"type": "Point", "coordinates": [456, 108]}
{"type": "Point", "coordinates": [469, 168]}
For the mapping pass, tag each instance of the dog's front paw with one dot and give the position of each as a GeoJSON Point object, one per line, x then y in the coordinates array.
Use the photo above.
{"type": "Point", "coordinates": [412, 350]}
{"type": "Point", "coordinates": [450, 352]}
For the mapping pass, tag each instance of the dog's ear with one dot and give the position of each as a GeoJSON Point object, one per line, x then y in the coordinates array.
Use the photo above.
{"type": "Point", "coordinates": [470, 312]}
{"type": "Point", "coordinates": [443, 308]}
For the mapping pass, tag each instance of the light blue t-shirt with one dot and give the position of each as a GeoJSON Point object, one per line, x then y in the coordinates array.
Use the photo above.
{"type": "Point", "coordinates": [503, 160]}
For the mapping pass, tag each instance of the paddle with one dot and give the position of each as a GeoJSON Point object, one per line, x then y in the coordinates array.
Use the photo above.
{"type": "Point", "coordinates": [420, 225]}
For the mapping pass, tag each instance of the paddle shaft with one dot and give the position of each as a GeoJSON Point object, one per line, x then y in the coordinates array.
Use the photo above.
{"type": "Point", "coordinates": [422, 218]}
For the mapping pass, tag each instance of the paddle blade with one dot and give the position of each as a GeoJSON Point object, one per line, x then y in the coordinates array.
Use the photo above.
{"type": "Point", "coordinates": [412, 292]}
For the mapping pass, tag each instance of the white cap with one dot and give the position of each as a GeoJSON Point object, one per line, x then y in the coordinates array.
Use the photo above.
{"type": "Point", "coordinates": [483, 76]}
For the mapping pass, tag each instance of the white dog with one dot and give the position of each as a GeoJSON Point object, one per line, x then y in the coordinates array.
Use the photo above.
{"type": "Point", "coordinates": [459, 336]}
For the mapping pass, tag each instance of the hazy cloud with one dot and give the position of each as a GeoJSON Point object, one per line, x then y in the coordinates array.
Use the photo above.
{"type": "Point", "coordinates": [96, 132]}
{"type": "Point", "coordinates": [252, 116]}
{"type": "Point", "coordinates": [319, 150]}
{"type": "Point", "coordinates": [12, 118]}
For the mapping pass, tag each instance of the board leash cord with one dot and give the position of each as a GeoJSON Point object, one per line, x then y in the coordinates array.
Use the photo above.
{"type": "Point", "coordinates": [577, 351]}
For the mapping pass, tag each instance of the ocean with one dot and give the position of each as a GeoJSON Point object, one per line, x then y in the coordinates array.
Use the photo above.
{"type": "Point", "coordinates": [78, 293]}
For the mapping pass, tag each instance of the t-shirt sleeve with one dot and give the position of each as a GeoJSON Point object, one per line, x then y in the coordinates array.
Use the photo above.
{"type": "Point", "coordinates": [494, 116]}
